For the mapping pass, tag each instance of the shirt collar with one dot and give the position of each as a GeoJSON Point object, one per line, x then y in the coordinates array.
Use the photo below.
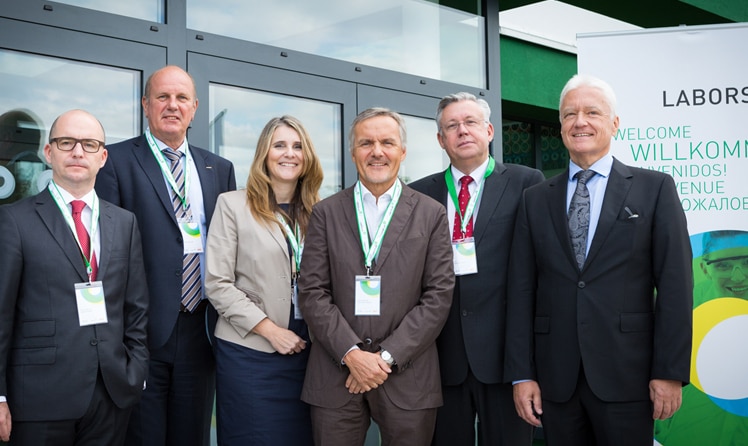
{"type": "Point", "coordinates": [368, 195]}
{"type": "Point", "coordinates": [602, 167]}
{"type": "Point", "coordinates": [162, 145]}
{"type": "Point", "coordinates": [477, 174]}
{"type": "Point", "coordinates": [68, 197]}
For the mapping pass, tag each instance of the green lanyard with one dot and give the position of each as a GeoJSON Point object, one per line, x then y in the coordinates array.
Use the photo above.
{"type": "Point", "coordinates": [297, 244]}
{"type": "Point", "coordinates": [449, 179]}
{"type": "Point", "coordinates": [166, 167]}
{"type": "Point", "coordinates": [371, 251]}
{"type": "Point", "coordinates": [57, 197]}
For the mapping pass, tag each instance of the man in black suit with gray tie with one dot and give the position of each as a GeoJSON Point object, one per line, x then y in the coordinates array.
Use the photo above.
{"type": "Point", "coordinates": [600, 301]}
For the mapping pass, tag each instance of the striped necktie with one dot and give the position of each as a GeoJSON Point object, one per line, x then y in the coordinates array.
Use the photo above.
{"type": "Point", "coordinates": [191, 284]}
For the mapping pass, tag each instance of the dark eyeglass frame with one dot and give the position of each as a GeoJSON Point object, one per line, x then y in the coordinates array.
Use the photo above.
{"type": "Point", "coordinates": [76, 141]}
{"type": "Point", "coordinates": [711, 261]}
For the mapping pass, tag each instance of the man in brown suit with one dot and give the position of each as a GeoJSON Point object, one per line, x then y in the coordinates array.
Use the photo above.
{"type": "Point", "coordinates": [375, 288]}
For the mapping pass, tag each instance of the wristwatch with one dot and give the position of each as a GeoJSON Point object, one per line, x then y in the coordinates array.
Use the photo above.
{"type": "Point", "coordinates": [387, 357]}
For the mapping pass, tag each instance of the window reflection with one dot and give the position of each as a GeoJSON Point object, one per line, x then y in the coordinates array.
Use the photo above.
{"type": "Point", "coordinates": [34, 90]}
{"type": "Point", "coordinates": [424, 155]}
{"type": "Point", "coordinates": [398, 35]}
{"type": "Point", "coordinates": [151, 10]}
{"type": "Point", "coordinates": [237, 116]}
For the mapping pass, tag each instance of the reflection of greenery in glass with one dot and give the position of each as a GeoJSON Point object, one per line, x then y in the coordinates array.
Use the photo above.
{"type": "Point", "coordinates": [410, 36]}
{"type": "Point", "coordinates": [237, 116]}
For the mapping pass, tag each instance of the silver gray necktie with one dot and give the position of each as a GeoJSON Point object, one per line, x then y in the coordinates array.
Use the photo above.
{"type": "Point", "coordinates": [579, 216]}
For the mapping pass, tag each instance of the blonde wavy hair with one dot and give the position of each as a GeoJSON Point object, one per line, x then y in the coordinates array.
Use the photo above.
{"type": "Point", "coordinates": [260, 197]}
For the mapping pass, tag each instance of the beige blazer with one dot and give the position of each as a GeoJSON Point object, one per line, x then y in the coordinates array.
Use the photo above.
{"type": "Point", "coordinates": [248, 272]}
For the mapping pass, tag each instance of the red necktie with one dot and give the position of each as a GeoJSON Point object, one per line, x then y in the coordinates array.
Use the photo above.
{"type": "Point", "coordinates": [83, 237]}
{"type": "Point", "coordinates": [463, 198]}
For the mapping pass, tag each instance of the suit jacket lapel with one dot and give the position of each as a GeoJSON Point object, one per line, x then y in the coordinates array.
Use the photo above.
{"type": "Point", "coordinates": [153, 172]}
{"type": "Point", "coordinates": [616, 191]}
{"type": "Point", "coordinates": [106, 237]}
{"type": "Point", "coordinates": [493, 189]}
{"type": "Point", "coordinates": [438, 190]}
{"type": "Point", "coordinates": [207, 182]}
{"type": "Point", "coordinates": [400, 219]}
{"type": "Point", "coordinates": [349, 213]}
{"type": "Point", "coordinates": [280, 237]}
{"type": "Point", "coordinates": [61, 232]}
{"type": "Point", "coordinates": [557, 211]}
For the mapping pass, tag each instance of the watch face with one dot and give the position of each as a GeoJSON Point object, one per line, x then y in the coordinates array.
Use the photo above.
{"type": "Point", "coordinates": [386, 356]}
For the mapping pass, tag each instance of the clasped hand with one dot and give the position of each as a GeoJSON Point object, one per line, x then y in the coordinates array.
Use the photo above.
{"type": "Point", "coordinates": [367, 371]}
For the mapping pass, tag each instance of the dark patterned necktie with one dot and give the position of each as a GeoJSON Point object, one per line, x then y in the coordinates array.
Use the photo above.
{"type": "Point", "coordinates": [463, 198]}
{"type": "Point", "coordinates": [191, 286]}
{"type": "Point", "coordinates": [83, 237]}
{"type": "Point", "coordinates": [579, 216]}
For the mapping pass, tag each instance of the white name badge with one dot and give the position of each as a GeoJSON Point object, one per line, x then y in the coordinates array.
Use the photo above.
{"type": "Point", "coordinates": [463, 255]}
{"type": "Point", "coordinates": [91, 303]}
{"type": "Point", "coordinates": [368, 295]}
{"type": "Point", "coordinates": [295, 299]}
{"type": "Point", "coordinates": [193, 239]}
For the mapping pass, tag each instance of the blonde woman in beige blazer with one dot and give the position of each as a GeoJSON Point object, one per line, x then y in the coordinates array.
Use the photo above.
{"type": "Point", "coordinates": [253, 253]}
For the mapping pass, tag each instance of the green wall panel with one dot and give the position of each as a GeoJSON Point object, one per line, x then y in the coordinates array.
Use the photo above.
{"type": "Point", "coordinates": [532, 74]}
{"type": "Point", "coordinates": [736, 10]}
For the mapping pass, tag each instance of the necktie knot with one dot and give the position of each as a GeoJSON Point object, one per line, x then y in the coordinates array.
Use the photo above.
{"type": "Point", "coordinates": [465, 181]}
{"type": "Point", "coordinates": [173, 155]}
{"type": "Point", "coordinates": [78, 206]}
{"type": "Point", "coordinates": [584, 175]}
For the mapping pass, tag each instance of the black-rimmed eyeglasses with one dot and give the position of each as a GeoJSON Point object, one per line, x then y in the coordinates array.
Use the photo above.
{"type": "Point", "coordinates": [67, 144]}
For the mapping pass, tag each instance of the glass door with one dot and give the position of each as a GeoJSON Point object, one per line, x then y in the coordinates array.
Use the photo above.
{"type": "Point", "coordinates": [423, 156]}
{"type": "Point", "coordinates": [237, 99]}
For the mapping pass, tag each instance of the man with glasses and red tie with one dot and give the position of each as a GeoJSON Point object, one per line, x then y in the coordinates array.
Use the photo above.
{"type": "Point", "coordinates": [481, 196]}
{"type": "Point", "coordinates": [73, 302]}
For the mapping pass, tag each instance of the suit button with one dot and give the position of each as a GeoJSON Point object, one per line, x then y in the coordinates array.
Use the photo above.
{"type": "Point", "coordinates": [464, 313]}
{"type": "Point", "coordinates": [581, 284]}
{"type": "Point", "coordinates": [179, 239]}
{"type": "Point", "coordinates": [368, 341]}
{"type": "Point", "coordinates": [178, 273]}
{"type": "Point", "coordinates": [94, 341]}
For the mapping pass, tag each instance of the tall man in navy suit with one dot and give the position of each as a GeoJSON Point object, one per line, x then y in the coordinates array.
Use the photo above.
{"type": "Point", "coordinates": [600, 301]}
{"type": "Point", "coordinates": [471, 344]}
{"type": "Point", "coordinates": [73, 302]}
{"type": "Point", "coordinates": [172, 187]}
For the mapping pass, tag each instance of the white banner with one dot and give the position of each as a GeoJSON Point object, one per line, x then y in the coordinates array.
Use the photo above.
{"type": "Point", "coordinates": [683, 107]}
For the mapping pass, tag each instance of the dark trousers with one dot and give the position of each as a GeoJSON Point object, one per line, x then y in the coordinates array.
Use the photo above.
{"type": "Point", "coordinates": [177, 404]}
{"type": "Point", "coordinates": [103, 424]}
{"type": "Point", "coordinates": [586, 420]}
{"type": "Point", "coordinates": [493, 404]}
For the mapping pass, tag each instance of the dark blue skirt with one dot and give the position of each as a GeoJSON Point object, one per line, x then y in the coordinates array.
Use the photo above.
{"type": "Point", "coordinates": [258, 397]}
